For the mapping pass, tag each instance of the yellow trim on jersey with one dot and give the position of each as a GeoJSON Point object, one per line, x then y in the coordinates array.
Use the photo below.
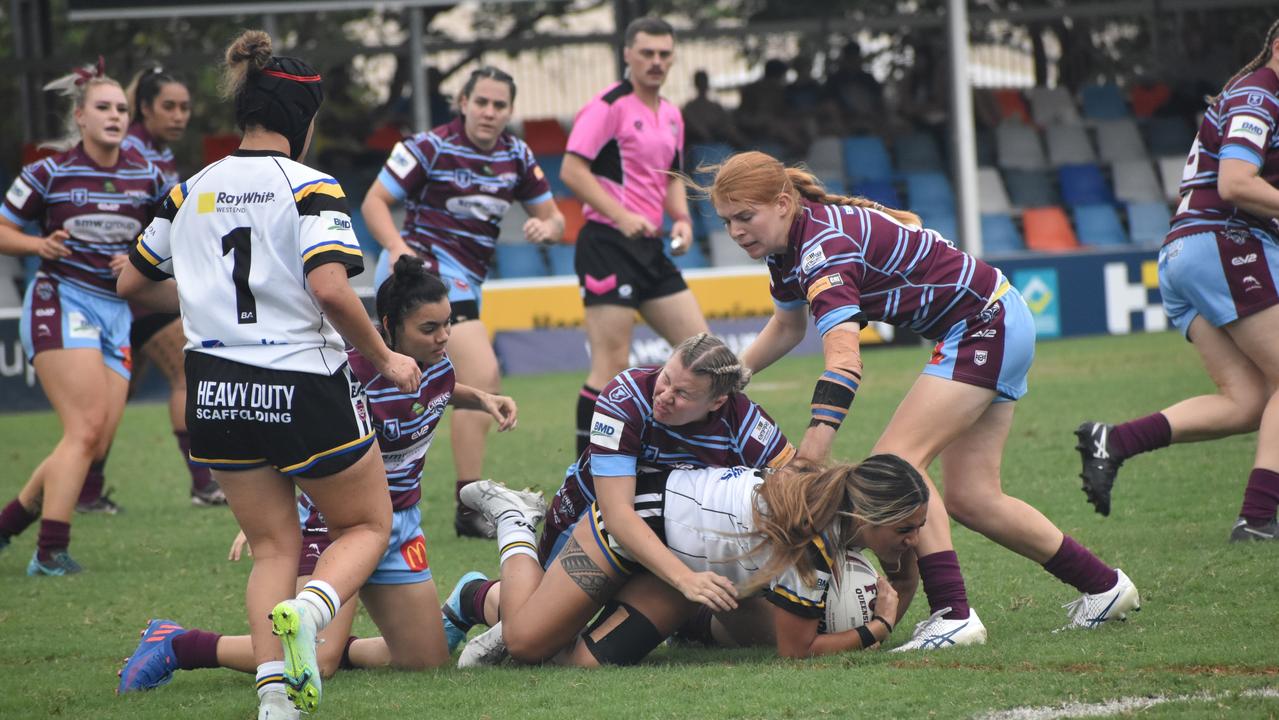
{"type": "Point", "coordinates": [321, 187]}
{"type": "Point", "coordinates": [334, 246]}
{"type": "Point", "coordinates": [788, 595]}
{"type": "Point", "coordinates": [177, 196]}
{"type": "Point", "coordinates": [146, 254]}
{"type": "Point", "coordinates": [783, 457]}
{"type": "Point", "coordinates": [332, 451]}
{"type": "Point", "coordinates": [821, 548]}
{"type": "Point", "coordinates": [1000, 291]}
{"type": "Point", "coordinates": [603, 540]}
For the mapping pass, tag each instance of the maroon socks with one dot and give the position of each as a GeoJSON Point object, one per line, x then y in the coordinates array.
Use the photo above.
{"type": "Point", "coordinates": [201, 478]}
{"type": "Point", "coordinates": [195, 649]}
{"type": "Point", "coordinates": [93, 481]}
{"type": "Point", "coordinates": [15, 518]}
{"type": "Point", "coordinates": [944, 584]}
{"type": "Point", "coordinates": [54, 536]}
{"type": "Point", "coordinates": [1075, 565]}
{"type": "Point", "coordinates": [1261, 497]}
{"type": "Point", "coordinates": [1138, 436]}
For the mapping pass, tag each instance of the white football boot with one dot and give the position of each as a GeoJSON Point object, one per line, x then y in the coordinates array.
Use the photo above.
{"type": "Point", "coordinates": [1092, 611]}
{"type": "Point", "coordinates": [937, 632]}
{"type": "Point", "coordinates": [494, 499]}
{"type": "Point", "coordinates": [486, 649]}
{"type": "Point", "coordinates": [277, 706]}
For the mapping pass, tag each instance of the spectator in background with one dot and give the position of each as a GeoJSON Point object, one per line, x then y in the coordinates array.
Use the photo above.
{"type": "Point", "coordinates": [706, 121]}
{"type": "Point", "coordinates": [859, 95]}
{"type": "Point", "coordinates": [765, 116]}
{"type": "Point", "coordinates": [924, 92]}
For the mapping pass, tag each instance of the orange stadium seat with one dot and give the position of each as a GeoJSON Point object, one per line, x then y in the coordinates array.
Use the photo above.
{"type": "Point", "coordinates": [1048, 230]}
{"type": "Point", "coordinates": [1012, 106]}
{"type": "Point", "coordinates": [573, 220]}
{"type": "Point", "coordinates": [216, 147]}
{"type": "Point", "coordinates": [545, 136]}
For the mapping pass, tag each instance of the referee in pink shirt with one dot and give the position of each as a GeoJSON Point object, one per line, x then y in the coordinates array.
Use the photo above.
{"type": "Point", "coordinates": [624, 145]}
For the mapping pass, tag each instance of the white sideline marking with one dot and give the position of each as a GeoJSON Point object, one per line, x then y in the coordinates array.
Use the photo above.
{"type": "Point", "coordinates": [1117, 706]}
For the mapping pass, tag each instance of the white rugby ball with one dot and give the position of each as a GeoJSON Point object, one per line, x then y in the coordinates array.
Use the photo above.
{"type": "Point", "coordinates": [849, 599]}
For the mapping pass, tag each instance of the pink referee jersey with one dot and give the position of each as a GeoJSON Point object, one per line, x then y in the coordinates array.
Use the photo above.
{"type": "Point", "coordinates": [630, 149]}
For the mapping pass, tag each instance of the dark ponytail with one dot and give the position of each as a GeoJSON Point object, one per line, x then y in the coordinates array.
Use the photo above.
{"type": "Point", "coordinates": [409, 286]}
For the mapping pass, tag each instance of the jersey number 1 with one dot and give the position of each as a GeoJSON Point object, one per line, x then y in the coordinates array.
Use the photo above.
{"type": "Point", "coordinates": [238, 244]}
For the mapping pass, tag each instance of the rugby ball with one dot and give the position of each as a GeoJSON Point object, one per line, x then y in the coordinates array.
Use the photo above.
{"type": "Point", "coordinates": [850, 599]}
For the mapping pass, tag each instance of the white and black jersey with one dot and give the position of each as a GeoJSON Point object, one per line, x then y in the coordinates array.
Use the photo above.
{"type": "Point", "coordinates": [240, 237]}
{"type": "Point", "coordinates": [705, 516]}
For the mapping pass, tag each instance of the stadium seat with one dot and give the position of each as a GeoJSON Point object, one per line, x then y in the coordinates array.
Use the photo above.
{"type": "Point", "coordinates": [693, 259]}
{"type": "Point", "coordinates": [571, 208]}
{"type": "Point", "coordinates": [866, 158]}
{"type": "Point", "coordinates": [881, 191]}
{"type": "Point", "coordinates": [1011, 105]}
{"type": "Point", "coordinates": [724, 252]}
{"type": "Point", "coordinates": [986, 156]}
{"type": "Point", "coordinates": [1104, 102]}
{"type": "Point", "coordinates": [1083, 185]}
{"type": "Point", "coordinates": [1098, 225]}
{"type": "Point", "coordinates": [11, 279]}
{"type": "Point", "coordinates": [1169, 136]}
{"type": "Point", "coordinates": [1068, 145]}
{"type": "Point", "coordinates": [217, 146]}
{"type": "Point", "coordinates": [545, 136]}
{"type": "Point", "coordinates": [834, 185]}
{"type": "Point", "coordinates": [999, 234]}
{"type": "Point", "coordinates": [561, 259]}
{"type": "Point", "coordinates": [1148, 222]}
{"type": "Point", "coordinates": [1030, 188]}
{"type": "Point", "coordinates": [1119, 140]}
{"type": "Point", "coordinates": [520, 260]}
{"type": "Point", "coordinates": [705, 154]}
{"type": "Point", "coordinates": [1135, 181]}
{"type": "Point", "coordinates": [368, 244]}
{"type": "Point", "coordinates": [1052, 106]}
{"type": "Point", "coordinates": [942, 222]}
{"type": "Point", "coordinates": [826, 157]}
{"type": "Point", "coordinates": [991, 196]}
{"type": "Point", "coordinates": [1170, 170]}
{"type": "Point", "coordinates": [1019, 147]}
{"type": "Point", "coordinates": [704, 218]}
{"type": "Point", "coordinates": [1048, 230]}
{"type": "Point", "coordinates": [1147, 99]}
{"type": "Point", "coordinates": [931, 192]}
{"type": "Point", "coordinates": [551, 165]}
{"type": "Point", "coordinates": [918, 152]}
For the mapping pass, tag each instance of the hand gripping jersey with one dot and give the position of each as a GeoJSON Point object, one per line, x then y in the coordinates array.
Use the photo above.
{"type": "Point", "coordinates": [627, 440]}
{"type": "Point", "coordinates": [103, 210]}
{"type": "Point", "coordinates": [855, 264]}
{"type": "Point", "coordinates": [456, 193]}
{"type": "Point", "coordinates": [405, 422]}
{"type": "Point", "coordinates": [1243, 125]}
{"type": "Point", "coordinates": [630, 149]}
{"type": "Point", "coordinates": [240, 237]}
{"type": "Point", "coordinates": [141, 142]}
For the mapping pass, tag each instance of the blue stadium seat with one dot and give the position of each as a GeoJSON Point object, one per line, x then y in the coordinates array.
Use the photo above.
{"type": "Point", "coordinates": [1104, 102]}
{"type": "Point", "coordinates": [866, 158]}
{"type": "Point", "coordinates": [1098, 225]}
{"type": "Point", "coordinates": [561, 258]}
{"type": "Point", "coordinates": [704, 218]}
{"type": "Point", "coordinates": [943, 222]}
{"type": "Point", "coordinates": [918, 152]}
{"type": "Point", "coordinates": [1083, 185]}
{"type": "Point", "coordinates": [881, 191]}
{"type": "Point", "coordinates": [1030, 188]}
{"type": "Point", "coordinates": [1169, 136]}
{"type": "Point", "coordinates": [705, 154]}
{"type": "Point", "coordinates": [520, 260]}
{"type": "Point", "coordinates": [999, 234]}
{"type": "Point", "coordinates": [551, 165]}
{"type": "Point", "coordinates": [691, 260]}
{"type": "Point", "coordinates": [930, 191]}
{"type": "Point", "coordinates": [834, 186]}
{"type": "Point", "coordinates": [1148, 222]}
{"type": "Point", "coordinates": [985, 148]}
{"type": "Point", "coordinates": [368, 245]}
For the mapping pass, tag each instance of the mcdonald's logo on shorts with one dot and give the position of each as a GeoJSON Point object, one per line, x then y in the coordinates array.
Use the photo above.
{"type": "Point", "coordinates": [414, 553]}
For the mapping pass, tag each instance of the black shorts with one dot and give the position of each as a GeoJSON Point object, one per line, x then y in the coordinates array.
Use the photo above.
{"type": "Point", "coordinates": [242, 417]}
{"type": "Point", "coordinates": [613, 269]}
{"type": "Point", "coordinates": [145, 327]}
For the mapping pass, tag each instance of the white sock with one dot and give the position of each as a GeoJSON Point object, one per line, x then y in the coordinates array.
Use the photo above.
{"type": "Point", "coordinates": [515, 536]}
{"type": "Point", "coordinates": [270, 678]}
{"type": "Point", "coordinates": [321, 600]}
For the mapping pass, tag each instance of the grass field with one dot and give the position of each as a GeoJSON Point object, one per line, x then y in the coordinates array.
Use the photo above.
{"type": "Point", "coordinates": [1208, 623]}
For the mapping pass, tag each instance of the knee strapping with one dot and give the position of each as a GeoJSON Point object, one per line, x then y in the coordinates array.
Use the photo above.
{"type": "Point", "coordinates": [629, 642]}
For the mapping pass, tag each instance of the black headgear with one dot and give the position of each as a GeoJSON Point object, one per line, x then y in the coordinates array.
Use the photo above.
{"type": "Point", "coordinates": [281, 97]}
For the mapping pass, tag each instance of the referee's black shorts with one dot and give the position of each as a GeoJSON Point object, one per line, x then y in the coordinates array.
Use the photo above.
{"type": "Point", "coordinates": [242, 417]}
{"type": "Point", "coordinates": [613, 269]}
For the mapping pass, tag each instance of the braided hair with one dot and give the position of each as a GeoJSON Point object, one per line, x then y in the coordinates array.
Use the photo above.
{"type": "Point", "coordinates": [410, 286]}
{"type": "Point", "coordinates": [705, 354]}
{"type": "Point", "coordinates": [1261, 59]}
